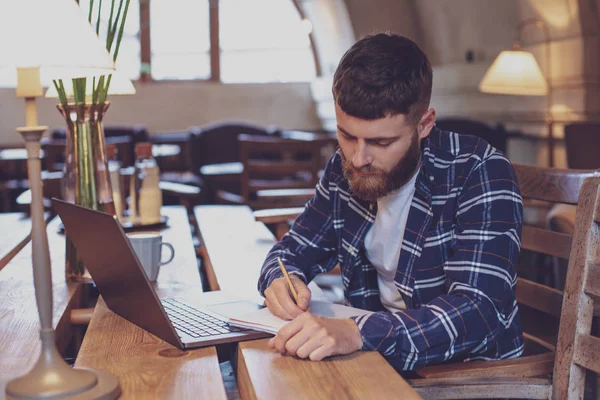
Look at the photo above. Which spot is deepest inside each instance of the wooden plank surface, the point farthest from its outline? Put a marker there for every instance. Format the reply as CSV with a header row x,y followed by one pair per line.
x,y
147,367
19,320
14,235
237,245
265,374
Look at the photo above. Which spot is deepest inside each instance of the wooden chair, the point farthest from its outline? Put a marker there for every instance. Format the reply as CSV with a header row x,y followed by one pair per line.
x,y
217,154
555,352
276,172
181,166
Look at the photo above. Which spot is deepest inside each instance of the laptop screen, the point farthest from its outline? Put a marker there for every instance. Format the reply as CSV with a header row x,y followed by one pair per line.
x,y
107,254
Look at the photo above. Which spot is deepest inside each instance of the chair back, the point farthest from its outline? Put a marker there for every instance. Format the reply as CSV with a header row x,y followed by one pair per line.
x,y
582,141
218,142
496,137
175,161
274,166
578,347
539,302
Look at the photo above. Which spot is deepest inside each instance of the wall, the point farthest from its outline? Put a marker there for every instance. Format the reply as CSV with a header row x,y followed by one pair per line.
x,y
446,29
179,105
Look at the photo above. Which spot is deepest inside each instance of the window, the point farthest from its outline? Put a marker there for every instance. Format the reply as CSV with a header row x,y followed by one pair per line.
x,y
179,39
259,41
128,59
263,41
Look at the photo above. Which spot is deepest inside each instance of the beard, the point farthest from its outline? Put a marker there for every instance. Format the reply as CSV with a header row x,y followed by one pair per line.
x,y
381,183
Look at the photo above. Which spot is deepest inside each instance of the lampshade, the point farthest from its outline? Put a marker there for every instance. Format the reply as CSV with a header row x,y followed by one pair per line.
x,y
514,72
53,35
119,85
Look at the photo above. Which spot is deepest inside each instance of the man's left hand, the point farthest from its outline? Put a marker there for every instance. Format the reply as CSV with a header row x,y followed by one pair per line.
x,y
314,337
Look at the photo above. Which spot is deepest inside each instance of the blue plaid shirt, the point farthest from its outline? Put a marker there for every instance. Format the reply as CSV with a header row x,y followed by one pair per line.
x,y
457,266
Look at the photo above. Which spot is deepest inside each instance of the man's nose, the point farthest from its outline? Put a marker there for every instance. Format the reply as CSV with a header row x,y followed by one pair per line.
x,y
361,157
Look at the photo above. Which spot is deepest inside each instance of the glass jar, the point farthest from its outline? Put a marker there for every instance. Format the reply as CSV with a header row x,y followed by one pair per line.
x,y
145,194
86,176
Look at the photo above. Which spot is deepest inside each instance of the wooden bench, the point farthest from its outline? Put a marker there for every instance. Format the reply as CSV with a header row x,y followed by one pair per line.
x,y
235,246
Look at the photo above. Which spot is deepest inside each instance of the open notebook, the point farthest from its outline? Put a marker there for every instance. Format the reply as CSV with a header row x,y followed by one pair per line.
x,y
263,320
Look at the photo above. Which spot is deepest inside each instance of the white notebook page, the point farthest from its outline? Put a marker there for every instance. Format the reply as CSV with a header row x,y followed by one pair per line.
x,y
263,320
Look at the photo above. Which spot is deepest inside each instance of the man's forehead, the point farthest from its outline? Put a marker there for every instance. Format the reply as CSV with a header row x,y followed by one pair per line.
x,y
390,126
374,129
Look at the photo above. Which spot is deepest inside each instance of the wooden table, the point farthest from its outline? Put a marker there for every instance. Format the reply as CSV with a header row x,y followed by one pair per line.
x,y
147,367
19,321
236,246
15,229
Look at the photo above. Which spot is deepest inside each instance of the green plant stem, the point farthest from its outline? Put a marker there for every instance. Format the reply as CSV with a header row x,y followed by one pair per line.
x,y
121,30
60,89
90,12
112,27
98,19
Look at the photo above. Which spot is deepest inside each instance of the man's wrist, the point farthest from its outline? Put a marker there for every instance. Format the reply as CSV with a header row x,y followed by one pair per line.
x,y
355,335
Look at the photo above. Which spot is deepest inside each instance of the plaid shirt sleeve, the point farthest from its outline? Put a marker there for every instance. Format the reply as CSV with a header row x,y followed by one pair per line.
x,y
308,248
480,280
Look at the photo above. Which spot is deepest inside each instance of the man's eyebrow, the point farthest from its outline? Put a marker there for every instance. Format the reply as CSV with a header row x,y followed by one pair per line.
x,y
375,139
345,132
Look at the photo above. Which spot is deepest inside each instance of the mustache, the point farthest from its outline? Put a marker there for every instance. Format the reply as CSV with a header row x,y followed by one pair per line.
x,y
364,171
367,169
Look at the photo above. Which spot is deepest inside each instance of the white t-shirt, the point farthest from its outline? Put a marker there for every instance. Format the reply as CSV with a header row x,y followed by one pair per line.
x,y
384,241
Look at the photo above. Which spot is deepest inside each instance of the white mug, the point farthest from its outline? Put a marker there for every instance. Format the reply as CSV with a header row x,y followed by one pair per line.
x,y
148,248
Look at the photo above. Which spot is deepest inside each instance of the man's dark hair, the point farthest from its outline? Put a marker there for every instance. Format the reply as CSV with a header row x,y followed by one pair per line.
x,y
381,75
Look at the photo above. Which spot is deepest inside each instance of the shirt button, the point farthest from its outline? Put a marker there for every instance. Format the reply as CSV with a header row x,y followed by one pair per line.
x,y
350,249
370,206
431,178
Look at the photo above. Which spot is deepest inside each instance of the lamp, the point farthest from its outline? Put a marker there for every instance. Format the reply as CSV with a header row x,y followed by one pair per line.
x,y
517,72
53,37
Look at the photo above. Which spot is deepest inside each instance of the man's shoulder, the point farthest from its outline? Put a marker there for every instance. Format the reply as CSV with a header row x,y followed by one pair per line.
x,y
445,148
457,144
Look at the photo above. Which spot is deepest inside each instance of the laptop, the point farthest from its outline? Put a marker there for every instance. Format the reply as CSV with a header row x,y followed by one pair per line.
x,y
185,322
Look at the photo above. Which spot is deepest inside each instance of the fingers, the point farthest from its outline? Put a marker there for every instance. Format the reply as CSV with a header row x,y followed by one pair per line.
x,y
320,353
280,299
310,336
304,294
291,329
275,307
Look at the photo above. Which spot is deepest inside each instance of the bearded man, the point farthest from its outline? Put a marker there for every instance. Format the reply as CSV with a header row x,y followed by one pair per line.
x,y
425,225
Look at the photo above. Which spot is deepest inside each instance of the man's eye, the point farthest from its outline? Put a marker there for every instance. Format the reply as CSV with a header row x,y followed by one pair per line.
x,y
383,143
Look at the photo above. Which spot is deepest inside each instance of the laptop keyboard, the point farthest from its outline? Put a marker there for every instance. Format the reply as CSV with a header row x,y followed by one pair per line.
x,y
195,323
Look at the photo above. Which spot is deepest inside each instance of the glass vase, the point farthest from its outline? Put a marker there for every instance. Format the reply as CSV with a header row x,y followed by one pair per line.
x,y
86,176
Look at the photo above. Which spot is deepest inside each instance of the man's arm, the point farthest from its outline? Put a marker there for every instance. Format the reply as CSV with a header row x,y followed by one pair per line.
x,y
480,276
309,247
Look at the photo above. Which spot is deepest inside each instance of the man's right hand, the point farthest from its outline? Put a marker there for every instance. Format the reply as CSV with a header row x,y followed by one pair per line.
x,y
280,301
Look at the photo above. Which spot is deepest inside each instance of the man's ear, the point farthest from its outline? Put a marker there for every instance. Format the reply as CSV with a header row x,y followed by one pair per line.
x,y
426,123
